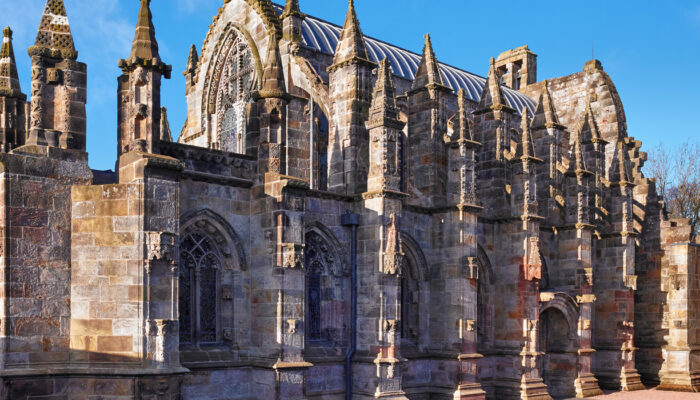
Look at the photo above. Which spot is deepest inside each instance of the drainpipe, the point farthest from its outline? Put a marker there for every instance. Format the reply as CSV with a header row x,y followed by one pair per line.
x,y
351,220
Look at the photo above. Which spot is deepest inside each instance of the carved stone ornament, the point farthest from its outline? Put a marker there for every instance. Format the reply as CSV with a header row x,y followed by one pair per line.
x,y
292,255
160,246
392,258
533,268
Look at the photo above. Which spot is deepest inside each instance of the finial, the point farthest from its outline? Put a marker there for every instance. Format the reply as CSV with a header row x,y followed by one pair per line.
x,y
7,32
429,70
54,38
351,45
291,9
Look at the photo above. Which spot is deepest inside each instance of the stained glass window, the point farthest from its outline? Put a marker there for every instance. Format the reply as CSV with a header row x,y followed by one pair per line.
x,y
200,262
238,80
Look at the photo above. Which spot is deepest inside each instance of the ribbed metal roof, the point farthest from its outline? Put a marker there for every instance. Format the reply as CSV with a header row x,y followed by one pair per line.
x,y
323,36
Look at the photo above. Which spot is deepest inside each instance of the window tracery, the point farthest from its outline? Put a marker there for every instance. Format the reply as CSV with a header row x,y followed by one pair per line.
x,y
238,80
200,262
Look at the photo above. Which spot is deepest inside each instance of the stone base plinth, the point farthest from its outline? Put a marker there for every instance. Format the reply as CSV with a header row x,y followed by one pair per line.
x,y
470,391
587,386
534,389
680,381
630,380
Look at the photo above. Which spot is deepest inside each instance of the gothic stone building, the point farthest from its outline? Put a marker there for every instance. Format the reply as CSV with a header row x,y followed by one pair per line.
x,y
339,218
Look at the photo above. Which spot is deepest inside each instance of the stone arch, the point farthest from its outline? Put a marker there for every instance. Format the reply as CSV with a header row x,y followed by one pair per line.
x,y
225,232
211,279
566,305
327,289
414,294
305,77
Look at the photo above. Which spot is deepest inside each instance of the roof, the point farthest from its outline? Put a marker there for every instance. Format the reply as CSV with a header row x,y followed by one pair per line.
x,y
323,36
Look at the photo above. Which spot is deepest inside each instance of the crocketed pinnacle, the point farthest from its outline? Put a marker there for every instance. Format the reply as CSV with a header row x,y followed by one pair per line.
x,y
545,114
621,173
383,108
492,94
351,45
429,69
54,38
273,85
463,116
577,163
9,79
291,9
192,61
526,148
145,46
589,127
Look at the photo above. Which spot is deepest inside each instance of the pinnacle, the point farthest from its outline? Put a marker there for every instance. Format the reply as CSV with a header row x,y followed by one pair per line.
x,y
621,174
384,88
192,60
9,79
577,162
54,38
352,43
492,94
145,46
429,69
545,114
589,127
273,84
291,9
527,148
462,115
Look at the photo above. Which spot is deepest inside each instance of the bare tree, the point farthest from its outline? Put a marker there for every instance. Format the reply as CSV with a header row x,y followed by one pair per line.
x,y
677,174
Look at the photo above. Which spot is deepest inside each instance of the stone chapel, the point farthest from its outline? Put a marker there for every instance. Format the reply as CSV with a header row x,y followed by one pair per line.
x,y
339,218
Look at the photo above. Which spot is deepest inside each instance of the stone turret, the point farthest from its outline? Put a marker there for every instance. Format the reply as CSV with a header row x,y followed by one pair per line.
x,y
427,123
58,84
385,135
350,84
191,71
13,119
139,89
525,184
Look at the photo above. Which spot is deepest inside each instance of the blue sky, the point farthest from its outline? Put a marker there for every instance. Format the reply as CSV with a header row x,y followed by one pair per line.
x,y
650,49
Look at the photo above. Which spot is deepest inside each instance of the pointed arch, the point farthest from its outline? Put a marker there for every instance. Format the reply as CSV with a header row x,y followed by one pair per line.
x,y
414,294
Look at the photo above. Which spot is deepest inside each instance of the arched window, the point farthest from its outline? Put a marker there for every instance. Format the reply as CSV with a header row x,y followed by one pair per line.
x,y
326,289
410,302
413,293
200,262
237,83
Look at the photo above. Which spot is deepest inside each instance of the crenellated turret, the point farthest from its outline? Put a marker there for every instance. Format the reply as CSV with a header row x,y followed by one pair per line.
x,y
350,84
385,135
427,125
139,89
58,84
13,119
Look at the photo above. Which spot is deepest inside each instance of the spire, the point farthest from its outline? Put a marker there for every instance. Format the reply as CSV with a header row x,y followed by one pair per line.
x,y
9,80
351,45
463,116
54,38
291,9
429,69
383,108
545,114
273,76
145,45
493,93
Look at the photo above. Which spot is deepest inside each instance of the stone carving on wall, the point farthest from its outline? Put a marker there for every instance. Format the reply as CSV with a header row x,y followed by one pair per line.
x,y
533,268
392,258
160,246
